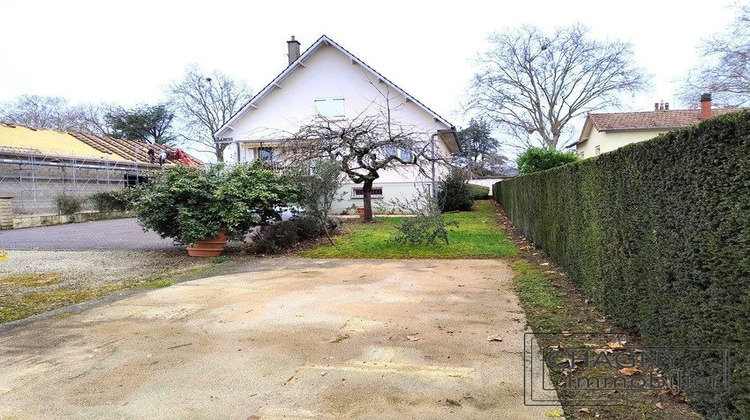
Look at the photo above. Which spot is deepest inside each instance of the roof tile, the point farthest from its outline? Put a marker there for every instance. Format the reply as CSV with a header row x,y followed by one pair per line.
x,y
652,120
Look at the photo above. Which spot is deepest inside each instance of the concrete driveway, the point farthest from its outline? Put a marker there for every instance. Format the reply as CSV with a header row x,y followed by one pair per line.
x,y
291,338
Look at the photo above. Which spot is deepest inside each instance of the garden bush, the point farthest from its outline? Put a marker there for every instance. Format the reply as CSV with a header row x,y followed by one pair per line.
x,y
280,236
112,201
537,159
454,193
307,227
69,204
658,235
190,204
423,229
275,238
479,192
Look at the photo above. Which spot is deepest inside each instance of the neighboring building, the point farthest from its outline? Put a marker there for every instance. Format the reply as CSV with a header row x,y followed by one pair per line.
x,y
604,133
38,165
329,81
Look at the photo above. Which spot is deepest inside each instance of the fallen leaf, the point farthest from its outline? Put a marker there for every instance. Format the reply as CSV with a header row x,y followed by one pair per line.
x,y
629,371
584,410
554,413
339,338
494,338
413,338
600,351
616,344
659,405
566,333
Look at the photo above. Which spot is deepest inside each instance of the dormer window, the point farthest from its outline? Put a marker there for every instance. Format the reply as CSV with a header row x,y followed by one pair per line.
x,y
330,107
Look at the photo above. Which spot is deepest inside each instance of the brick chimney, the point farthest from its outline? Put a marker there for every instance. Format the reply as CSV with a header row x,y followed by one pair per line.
x,y
293,47
705,106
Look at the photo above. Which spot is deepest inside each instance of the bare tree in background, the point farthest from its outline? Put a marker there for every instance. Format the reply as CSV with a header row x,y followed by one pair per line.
x,y
55,113
531,85
204,102
724,70
362,147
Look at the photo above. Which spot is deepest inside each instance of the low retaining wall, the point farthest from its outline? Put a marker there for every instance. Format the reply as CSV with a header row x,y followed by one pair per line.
x,y
37,220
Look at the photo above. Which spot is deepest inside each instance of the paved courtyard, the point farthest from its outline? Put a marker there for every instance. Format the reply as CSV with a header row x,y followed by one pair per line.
x,y
289,338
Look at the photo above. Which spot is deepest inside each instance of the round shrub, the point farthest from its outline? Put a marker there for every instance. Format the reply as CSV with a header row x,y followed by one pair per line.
x,y
536,159
479,192
454,193
190,204
69,204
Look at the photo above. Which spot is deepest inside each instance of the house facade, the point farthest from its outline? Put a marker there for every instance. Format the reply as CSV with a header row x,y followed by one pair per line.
x,y
604,133
327,81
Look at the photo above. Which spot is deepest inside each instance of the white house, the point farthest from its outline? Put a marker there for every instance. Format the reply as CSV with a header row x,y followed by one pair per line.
x,y
327,80
607,132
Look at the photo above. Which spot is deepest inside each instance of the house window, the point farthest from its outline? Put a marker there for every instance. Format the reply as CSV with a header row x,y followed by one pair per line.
x,y
391,151
406,155
597,151
265,154
403,154
330,107
377,192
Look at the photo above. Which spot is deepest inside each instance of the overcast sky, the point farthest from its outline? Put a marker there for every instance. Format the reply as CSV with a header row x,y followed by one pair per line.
x,y
127,51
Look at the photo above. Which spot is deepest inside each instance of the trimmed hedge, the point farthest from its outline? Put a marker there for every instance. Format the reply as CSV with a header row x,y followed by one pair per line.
x,y
658,235
479,192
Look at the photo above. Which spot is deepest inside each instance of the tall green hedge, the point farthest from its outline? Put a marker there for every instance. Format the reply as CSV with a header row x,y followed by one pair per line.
x,y
658,235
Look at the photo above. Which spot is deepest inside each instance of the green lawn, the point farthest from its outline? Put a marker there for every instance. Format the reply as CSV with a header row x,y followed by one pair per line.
x,y
478,235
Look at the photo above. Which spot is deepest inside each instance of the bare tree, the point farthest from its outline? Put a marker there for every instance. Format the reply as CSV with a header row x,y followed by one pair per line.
x,y
55,113
531,85
204,102
362,146
725,66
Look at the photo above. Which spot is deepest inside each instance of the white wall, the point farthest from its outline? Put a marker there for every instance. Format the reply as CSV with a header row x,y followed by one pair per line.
x,y
328,73
612,140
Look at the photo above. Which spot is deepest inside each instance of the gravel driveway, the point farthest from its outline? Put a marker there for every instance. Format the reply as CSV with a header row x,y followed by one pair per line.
x,y
287,338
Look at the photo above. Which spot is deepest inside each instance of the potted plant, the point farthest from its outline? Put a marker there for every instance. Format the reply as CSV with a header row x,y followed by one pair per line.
x,y
203,208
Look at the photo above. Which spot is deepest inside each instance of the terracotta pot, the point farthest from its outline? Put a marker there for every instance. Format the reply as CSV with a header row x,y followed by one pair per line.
x,y
361,213
209,247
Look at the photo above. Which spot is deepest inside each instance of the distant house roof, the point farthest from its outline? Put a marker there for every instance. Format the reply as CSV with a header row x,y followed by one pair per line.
x,y
21,139
658,120
300,62
134,151
18,138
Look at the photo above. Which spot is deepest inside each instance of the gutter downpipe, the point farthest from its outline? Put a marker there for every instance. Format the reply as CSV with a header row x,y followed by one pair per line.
x,y
434,182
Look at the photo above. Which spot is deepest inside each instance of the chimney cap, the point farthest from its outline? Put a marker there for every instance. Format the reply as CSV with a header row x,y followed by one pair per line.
x,y
706,97
293,40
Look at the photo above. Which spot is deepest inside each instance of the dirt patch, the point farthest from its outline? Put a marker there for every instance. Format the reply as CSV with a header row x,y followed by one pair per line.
x,y
34,282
